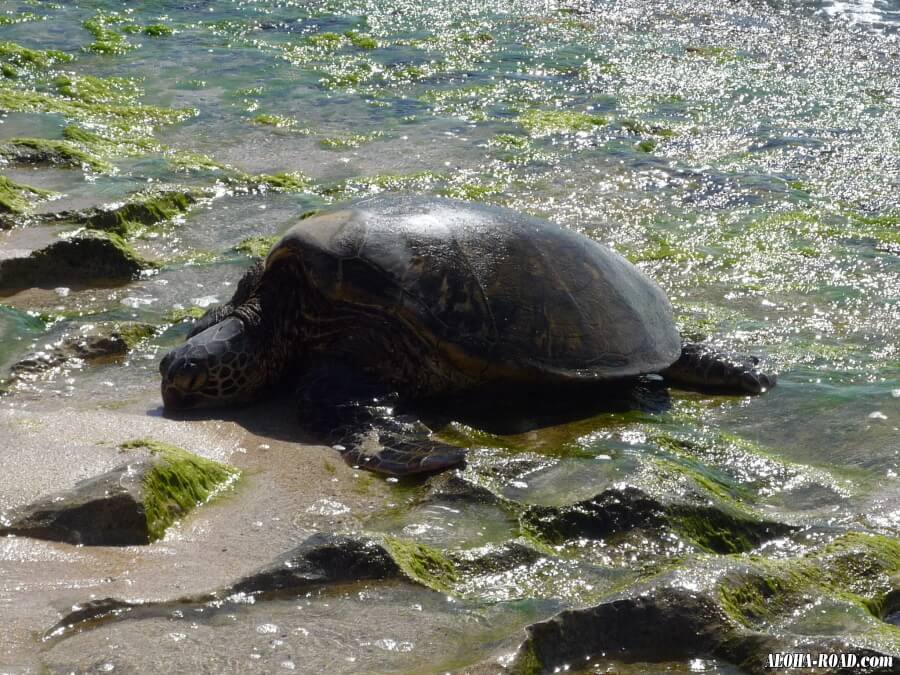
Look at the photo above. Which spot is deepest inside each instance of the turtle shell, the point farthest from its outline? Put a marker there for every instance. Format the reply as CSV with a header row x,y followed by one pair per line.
x,y
497,291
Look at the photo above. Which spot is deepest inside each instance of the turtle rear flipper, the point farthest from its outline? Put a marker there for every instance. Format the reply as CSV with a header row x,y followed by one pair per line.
x,y
703,367
356,414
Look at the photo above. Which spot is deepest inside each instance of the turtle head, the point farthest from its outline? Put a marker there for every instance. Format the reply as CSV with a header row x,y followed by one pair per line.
x,y
221,361
217,366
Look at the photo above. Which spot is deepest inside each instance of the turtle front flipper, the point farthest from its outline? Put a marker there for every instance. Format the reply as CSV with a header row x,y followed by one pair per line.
x,y
356,415
705,368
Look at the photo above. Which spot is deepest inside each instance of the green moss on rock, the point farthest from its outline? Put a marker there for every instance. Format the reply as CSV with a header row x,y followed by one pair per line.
x,y
544,122
96,89
86,257
423,564
106,40
352,141
256,246
17,197
157,30
178,484
22,56
143,210
50,152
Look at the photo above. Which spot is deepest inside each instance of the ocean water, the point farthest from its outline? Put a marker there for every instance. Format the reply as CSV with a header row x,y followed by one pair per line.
x,y
745,155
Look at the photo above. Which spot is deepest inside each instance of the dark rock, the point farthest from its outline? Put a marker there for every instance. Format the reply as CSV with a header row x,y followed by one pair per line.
x,y
736,610
451,487
613,511
105,341
669,625
322,558
86,257
610,512
103,511
131,504
493,559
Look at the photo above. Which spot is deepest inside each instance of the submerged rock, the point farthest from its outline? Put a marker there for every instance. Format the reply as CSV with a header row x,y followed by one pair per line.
x,y
323,558
736,610
46,152
132,504
86,257
715,527
104,341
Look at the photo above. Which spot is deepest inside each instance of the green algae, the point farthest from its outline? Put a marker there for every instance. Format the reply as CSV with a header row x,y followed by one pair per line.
x,y
91,89
293,181
325,40
24,57
256,246
855,567
280,122
133,334
157,30
423,564
351,141
106,41
180,315
52,152
85,257
18,197
545,122
178,484
129,121
361,41
143,210
420,180
718,531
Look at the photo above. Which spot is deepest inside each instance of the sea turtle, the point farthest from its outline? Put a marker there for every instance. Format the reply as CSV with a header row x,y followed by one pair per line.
x,y
407,298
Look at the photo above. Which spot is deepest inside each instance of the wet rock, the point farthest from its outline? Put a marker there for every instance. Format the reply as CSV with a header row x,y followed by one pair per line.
x,y
452,487
15,199
323,558
46,152
614,511
670,625
736,610
132,504
103,342
494,558
610,512
141,210
83,258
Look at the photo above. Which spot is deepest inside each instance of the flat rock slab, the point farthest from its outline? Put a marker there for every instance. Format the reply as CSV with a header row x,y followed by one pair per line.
x,y
132,504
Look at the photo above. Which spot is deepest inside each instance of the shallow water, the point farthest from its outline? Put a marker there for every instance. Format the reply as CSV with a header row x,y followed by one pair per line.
x,y
748,159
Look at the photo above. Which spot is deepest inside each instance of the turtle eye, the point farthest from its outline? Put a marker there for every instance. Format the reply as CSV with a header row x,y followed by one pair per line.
x,y
189,376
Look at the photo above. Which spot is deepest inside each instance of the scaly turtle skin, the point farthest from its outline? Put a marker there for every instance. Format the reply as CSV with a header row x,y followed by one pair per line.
x,y
404,298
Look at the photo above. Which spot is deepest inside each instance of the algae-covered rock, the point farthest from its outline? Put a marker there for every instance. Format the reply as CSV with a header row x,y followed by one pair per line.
x,y
86,257
713,527
257,247
132,504
142,210
422,564
50,153
736,610
100,342
15,198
